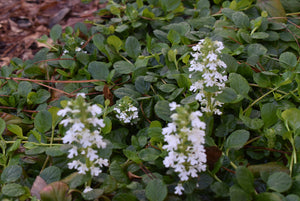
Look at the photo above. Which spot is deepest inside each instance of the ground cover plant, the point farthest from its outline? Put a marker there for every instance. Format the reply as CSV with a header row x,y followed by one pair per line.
x,y
157,100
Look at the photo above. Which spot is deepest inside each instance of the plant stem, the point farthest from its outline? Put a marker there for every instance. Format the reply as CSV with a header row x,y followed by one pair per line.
x,y
260,98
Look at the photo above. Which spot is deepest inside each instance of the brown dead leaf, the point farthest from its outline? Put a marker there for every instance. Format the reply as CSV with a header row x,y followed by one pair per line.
x,y
38,185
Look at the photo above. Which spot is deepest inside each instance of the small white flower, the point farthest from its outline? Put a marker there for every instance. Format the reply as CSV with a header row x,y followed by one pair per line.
x,y
81,94
64,111
94,110
173,106
73,152
178,189
78,49
87,189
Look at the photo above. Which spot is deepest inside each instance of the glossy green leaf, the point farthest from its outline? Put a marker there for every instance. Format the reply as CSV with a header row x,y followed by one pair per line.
x,y
93,194
11,173
55,32
43,121
141,85
174,37
124,91
124,197
116,42
228,95
241,20
238,194
2,126
288,60
124,67
291,117
99,70
268,114
267,196
13,190
24,88
67,62
162,110
118,172
132,47
279,182
169,5
156,190
256,49
239,84
15,129
51,174
149,154
245,179
237,139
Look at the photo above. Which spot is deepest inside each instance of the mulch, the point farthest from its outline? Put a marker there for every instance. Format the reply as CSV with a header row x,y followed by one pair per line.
x,y
24,21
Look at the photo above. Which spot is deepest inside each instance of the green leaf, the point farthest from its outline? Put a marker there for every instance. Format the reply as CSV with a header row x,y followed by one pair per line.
x,y
16,145
132,47
124,91
75,179
38,97
245,179
241,20
268,114
82,58
108,126
167,88
116,42
169,5
279,182
174,37
2,126
54,151
239,84
221,189
67,62
11,173
55,32
93,194
237,139
260,35
292,197
266,196
99,70
256,49
24,88
132,155
51,174
124,197
291,117
124,67
228,95
55,118
162,110
238,194
141,85
43,121
231,63
109,185
56,191
288,60
254,124
13,190
149,154
15,129
156,190
117,172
